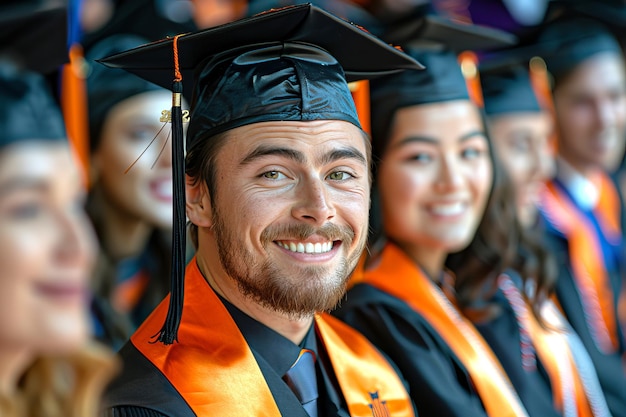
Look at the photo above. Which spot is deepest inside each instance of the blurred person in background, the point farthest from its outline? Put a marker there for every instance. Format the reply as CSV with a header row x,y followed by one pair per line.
x,y
49,366
582,208
541,353
521,130
130,200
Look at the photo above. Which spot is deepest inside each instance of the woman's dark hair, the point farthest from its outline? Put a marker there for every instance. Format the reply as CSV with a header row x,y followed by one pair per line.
x,y
155,259
499,243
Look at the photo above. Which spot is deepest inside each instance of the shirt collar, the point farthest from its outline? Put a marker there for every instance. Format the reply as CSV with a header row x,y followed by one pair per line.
x,y
278,351
583,191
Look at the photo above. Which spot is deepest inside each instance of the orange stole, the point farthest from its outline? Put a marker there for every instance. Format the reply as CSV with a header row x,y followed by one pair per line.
x,y
216,373
416,289
212,366
586,255
364,375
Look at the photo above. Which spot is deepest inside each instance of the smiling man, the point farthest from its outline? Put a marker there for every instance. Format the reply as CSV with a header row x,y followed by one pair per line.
x,y
277,193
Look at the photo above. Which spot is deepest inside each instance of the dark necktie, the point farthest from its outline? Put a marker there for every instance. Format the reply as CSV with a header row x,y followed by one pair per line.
x,y
303,382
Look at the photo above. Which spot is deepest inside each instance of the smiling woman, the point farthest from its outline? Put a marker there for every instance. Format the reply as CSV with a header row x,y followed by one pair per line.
x,y
438,187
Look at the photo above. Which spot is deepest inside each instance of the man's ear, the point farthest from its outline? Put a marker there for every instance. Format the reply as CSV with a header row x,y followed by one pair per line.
x,y
198,202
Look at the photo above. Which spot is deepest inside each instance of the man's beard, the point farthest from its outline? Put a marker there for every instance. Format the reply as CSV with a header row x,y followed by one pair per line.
x,y
313,289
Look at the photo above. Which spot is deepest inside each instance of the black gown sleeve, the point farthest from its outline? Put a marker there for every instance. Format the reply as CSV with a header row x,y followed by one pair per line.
x,y
141,390
439,384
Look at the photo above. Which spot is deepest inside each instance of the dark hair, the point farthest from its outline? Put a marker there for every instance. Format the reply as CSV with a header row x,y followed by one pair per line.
x,y
200,165
500,243
155,258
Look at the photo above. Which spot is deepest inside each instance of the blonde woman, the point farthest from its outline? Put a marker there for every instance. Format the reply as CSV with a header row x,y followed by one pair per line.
x,y
48,366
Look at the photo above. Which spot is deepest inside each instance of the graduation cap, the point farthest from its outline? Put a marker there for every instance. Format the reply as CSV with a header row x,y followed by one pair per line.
x,y
567,42
609,12
344,9
27,108
442,80
507,88
107,87
286,64
423,25
432,28
34,35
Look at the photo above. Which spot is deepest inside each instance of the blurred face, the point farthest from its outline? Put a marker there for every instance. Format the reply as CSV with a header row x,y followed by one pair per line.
x,y
301,190
521,141
144,193
591,111
46,250
435,178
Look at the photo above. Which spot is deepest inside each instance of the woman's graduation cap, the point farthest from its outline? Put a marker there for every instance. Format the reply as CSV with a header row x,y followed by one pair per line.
x,y
107,87
507,87
286,64
435,42
32,43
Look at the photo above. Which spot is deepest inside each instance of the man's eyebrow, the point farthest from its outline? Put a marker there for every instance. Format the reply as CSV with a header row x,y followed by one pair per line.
x,y
265,150
343,153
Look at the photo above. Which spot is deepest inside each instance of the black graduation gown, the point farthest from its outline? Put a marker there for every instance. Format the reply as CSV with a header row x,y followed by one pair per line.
x,y
439,383
609,367
143,391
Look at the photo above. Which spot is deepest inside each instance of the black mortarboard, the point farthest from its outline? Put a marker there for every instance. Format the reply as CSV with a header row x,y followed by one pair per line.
x,y
460,36
423,22
27,108
34,35
566,43
442,80
507,89
344,9
285,64
609,12
32,42
106,87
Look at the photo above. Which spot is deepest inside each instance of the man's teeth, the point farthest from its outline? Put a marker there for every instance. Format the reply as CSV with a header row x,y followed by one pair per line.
x,y
448,209
307,247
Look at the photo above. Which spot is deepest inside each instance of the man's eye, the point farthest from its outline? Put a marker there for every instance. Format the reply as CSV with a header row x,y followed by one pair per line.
x,y
339,176
273,175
